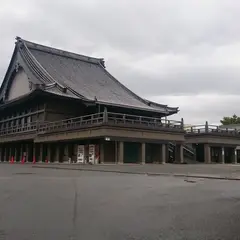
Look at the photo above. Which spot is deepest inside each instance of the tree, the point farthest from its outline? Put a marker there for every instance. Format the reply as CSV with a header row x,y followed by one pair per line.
x,y
230,120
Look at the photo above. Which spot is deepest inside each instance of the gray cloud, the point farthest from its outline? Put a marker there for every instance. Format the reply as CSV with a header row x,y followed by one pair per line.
x,y
157,48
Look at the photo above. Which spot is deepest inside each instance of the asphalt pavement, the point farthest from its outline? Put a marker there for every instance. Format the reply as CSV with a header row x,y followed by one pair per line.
x,y
63,204
212,171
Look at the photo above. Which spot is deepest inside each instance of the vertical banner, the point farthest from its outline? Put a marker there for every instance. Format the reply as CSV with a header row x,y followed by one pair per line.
x,y
92,154
81,154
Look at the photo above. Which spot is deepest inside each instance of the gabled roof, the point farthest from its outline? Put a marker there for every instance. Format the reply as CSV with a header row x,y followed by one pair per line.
x,y
76,76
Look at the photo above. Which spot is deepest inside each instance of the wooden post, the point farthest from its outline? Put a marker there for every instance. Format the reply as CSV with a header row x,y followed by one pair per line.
x,y
57,153
206,126
49,152
41,153
222,160
27,152
105,115
102,152
121,152
179,153
34,153
182,123
207,153
163,153
234,161
5,153
143,153
16,154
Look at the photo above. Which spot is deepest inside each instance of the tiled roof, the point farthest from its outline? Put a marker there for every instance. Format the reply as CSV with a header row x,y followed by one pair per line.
x,y
83,77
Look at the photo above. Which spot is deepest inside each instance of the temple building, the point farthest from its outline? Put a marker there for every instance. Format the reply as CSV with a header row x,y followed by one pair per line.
x,y
58,106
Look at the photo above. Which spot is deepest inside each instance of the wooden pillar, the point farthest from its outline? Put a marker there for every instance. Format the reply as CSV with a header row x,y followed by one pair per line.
x,y
67,153
28,152
222,155
41,153
10,153
49,151
5,153
179,153
57,153
102,152
207,153
21,152
194,152
16,153
116,151
163,153
1,153
34,151
121,153
143,153
234,156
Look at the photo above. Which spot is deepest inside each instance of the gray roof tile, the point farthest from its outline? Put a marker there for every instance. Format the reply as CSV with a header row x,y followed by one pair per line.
x,y
84,77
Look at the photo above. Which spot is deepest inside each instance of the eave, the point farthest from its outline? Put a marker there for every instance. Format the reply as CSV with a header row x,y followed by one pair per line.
x,y
35,93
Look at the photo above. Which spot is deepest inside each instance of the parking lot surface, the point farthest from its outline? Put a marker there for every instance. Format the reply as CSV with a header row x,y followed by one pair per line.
x,y
64,204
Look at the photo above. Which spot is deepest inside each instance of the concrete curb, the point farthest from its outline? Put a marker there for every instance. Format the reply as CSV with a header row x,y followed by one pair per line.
x,y
142,173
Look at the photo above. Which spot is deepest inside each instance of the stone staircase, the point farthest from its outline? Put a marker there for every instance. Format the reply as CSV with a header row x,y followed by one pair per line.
x,y
188,153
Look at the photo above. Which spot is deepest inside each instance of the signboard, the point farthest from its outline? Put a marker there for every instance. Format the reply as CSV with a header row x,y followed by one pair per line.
x,y
81,154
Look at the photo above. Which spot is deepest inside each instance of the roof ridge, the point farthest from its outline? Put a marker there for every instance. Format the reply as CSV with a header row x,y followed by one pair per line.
x,y
57,51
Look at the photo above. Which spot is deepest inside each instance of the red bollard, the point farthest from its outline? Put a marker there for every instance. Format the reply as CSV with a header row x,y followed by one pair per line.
x,y
46,160
34,159
23,160
12,160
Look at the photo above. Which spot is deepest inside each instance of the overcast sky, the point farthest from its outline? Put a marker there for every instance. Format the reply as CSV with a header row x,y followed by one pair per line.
x,y
182,53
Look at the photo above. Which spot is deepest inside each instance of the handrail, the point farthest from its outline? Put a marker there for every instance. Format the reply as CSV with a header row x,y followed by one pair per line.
x,y
185,147
110,118
105,117
27,127
210,129
72,123
119,118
